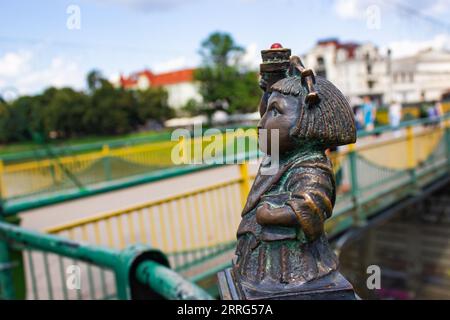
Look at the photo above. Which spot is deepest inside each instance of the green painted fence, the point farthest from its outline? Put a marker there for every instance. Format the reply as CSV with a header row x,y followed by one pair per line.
x,y
137,272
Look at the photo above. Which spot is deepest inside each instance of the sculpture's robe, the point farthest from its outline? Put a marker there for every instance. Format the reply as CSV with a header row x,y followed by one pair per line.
x,y
279,255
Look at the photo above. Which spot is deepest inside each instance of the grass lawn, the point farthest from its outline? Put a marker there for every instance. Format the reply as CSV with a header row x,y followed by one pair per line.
x,y
25,146
14,149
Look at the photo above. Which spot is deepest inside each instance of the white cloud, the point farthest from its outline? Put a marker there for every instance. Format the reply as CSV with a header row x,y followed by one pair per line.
x,y
114,78
406,48
349,9
14,63
252,56
18,70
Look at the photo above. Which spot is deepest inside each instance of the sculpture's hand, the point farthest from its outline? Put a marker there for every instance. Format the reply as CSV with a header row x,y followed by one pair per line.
x,y
263,213
283,216
311,224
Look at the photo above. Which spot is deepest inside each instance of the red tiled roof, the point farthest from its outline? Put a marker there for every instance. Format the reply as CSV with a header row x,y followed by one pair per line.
x,y
127,82
348,46
325,42
159,80
186,75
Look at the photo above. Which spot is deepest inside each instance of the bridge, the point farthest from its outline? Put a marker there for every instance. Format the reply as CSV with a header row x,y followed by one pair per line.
x,y
182,240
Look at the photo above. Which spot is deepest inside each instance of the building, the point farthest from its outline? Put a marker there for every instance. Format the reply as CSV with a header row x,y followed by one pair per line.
x,y
357,69
180,85
426,74
360,70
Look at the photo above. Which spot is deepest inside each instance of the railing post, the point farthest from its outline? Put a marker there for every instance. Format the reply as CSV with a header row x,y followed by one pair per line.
x,y
58,170
106,162
55,171
411,156
355,192
6,278
245,182
447,141
2,183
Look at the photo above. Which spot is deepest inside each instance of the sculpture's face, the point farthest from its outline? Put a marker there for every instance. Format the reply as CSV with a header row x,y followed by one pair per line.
x,y
281,114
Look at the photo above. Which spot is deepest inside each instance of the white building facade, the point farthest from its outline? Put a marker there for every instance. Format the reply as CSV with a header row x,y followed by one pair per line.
x,y
180,85
359,70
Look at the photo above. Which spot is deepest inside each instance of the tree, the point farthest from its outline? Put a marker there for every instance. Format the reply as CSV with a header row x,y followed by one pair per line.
x,y
65,113
5,118
117,110
224,81
94,80
218,50
110,111
153,104
15,119
193,107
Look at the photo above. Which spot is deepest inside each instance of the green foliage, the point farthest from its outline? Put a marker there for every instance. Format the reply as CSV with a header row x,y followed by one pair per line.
x,y
224,81
111,111
14,119
193,107
146,102
66,113
61,111
218,49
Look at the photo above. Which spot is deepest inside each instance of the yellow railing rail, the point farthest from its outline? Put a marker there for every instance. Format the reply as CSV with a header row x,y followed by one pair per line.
x,y
178,217
47,175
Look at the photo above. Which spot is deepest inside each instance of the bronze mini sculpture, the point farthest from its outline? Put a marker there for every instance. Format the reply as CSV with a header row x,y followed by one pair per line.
x,y
282,251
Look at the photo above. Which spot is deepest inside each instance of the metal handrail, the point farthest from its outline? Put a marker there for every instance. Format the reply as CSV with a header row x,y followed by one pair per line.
x,y
127,264
168,283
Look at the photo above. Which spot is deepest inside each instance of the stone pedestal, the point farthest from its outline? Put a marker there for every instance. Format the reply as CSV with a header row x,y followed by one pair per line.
x,y
331,287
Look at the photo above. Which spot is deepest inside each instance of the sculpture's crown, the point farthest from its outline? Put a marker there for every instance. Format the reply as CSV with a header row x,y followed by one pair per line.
x,y
275,59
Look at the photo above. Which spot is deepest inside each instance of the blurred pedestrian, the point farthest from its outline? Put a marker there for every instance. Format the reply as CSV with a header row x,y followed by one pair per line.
x,y
395,113
359,117
439,111
433,114
369,112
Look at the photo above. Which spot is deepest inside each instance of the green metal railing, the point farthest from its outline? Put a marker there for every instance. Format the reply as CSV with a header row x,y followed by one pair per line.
x,y
35,183
102,181
137,272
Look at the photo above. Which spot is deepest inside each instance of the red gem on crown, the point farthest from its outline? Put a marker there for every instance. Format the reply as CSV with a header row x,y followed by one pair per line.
x,y
276,45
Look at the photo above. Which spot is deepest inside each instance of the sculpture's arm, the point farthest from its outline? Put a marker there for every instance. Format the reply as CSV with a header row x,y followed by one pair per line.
x,y
282,216
311,200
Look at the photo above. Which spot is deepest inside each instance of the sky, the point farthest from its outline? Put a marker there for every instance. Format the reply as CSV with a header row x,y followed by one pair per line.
x,y
55,43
